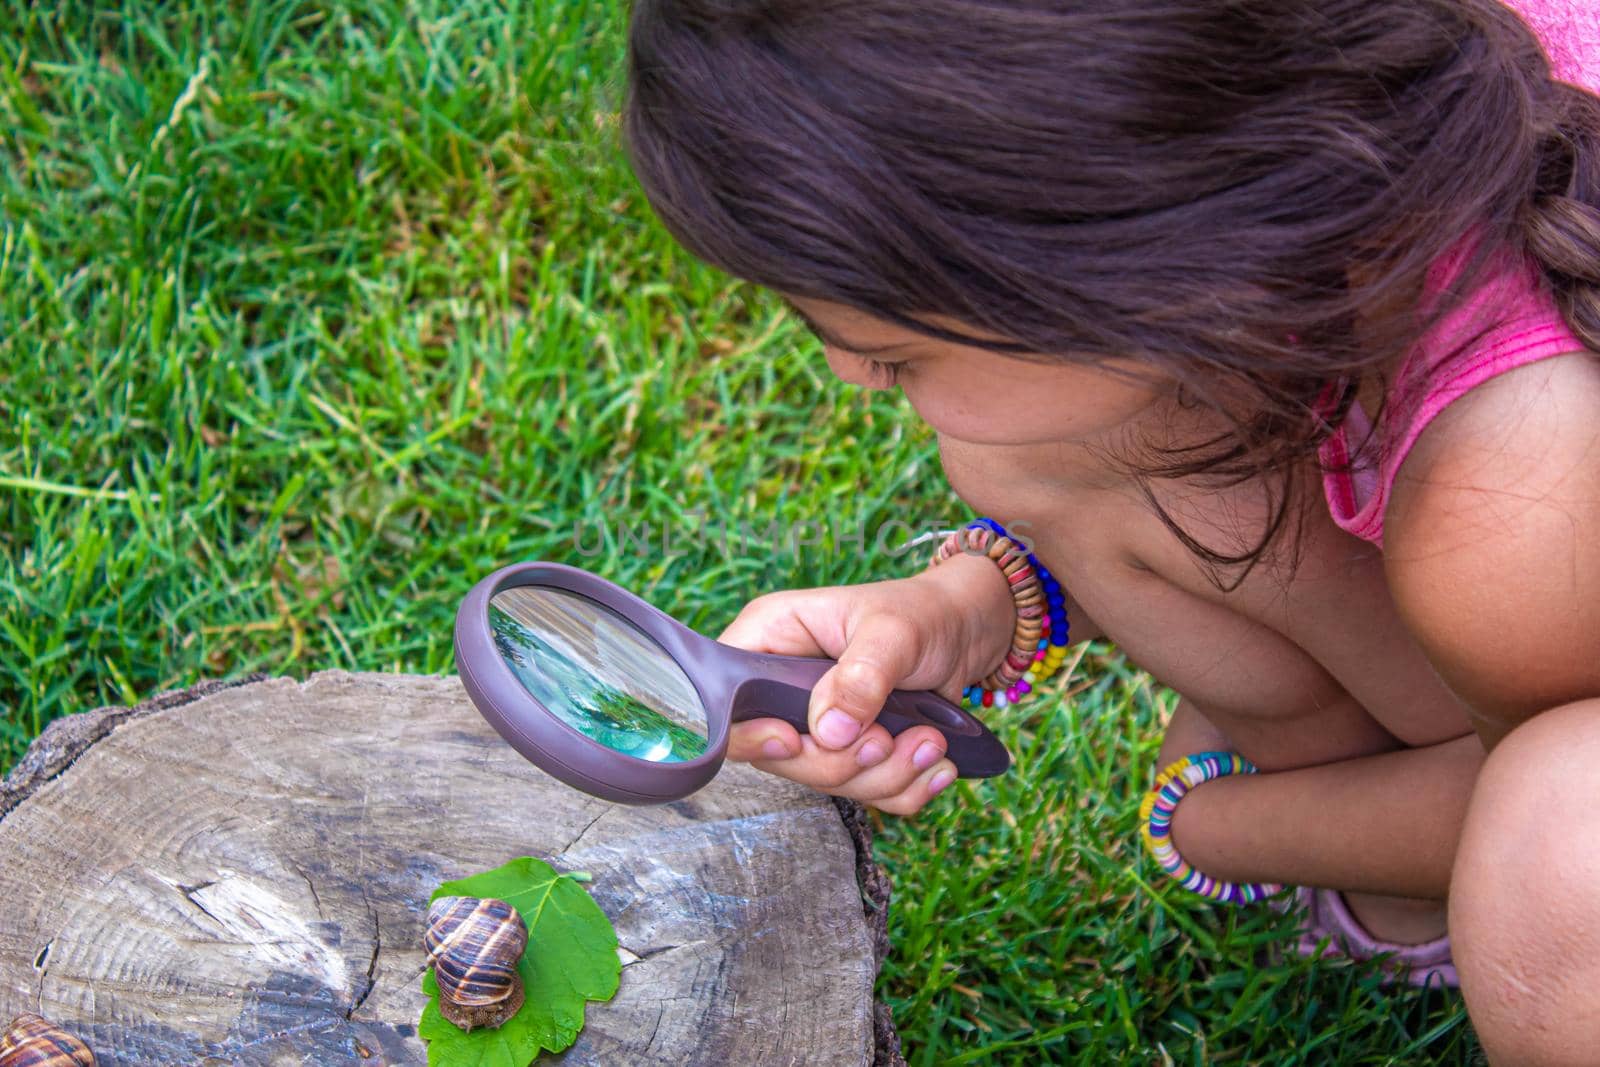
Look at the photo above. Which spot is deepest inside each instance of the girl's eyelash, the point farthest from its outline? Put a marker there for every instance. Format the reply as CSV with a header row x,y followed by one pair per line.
x,y
891,370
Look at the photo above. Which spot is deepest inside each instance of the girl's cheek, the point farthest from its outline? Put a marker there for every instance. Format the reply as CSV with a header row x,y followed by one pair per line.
x,y
966,411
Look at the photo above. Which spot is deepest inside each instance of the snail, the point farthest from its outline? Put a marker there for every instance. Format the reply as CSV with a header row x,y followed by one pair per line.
x,y
33,1041
473,946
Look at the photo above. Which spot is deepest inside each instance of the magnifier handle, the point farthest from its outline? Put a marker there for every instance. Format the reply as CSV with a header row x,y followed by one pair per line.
x,y
782,690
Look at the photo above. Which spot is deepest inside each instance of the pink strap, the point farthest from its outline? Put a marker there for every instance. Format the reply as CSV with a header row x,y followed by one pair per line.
x,y
1508,322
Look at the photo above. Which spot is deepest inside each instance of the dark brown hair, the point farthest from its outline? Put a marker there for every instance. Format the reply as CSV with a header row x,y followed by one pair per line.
x,y
1227,190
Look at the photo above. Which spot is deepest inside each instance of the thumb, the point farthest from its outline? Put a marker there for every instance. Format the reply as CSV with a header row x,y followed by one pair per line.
x,y
881,653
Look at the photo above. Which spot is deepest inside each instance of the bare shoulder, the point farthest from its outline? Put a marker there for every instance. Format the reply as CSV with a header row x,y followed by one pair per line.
x,y
1517,454
1492,541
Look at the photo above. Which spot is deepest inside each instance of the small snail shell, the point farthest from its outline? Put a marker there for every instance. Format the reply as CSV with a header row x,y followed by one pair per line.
x,y
32,1041
474,946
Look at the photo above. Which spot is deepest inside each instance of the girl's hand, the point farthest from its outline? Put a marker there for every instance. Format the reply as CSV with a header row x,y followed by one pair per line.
x,y
933,631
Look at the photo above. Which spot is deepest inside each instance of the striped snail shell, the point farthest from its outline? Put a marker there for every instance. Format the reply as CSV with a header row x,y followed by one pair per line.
x,y
33,1041
474,946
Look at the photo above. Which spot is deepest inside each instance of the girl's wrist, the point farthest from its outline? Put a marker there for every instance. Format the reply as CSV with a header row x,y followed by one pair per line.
x,y
980,601
1179,818
1039,630
1195,824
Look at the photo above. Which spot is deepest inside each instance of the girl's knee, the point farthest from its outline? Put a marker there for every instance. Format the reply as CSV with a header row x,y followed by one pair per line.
x,y
1525,893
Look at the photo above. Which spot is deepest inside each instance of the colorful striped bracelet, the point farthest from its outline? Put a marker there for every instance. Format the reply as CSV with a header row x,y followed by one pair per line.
x,y
1039,642
1155,817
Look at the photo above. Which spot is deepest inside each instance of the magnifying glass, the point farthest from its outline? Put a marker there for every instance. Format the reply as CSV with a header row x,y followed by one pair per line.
x,y
619,699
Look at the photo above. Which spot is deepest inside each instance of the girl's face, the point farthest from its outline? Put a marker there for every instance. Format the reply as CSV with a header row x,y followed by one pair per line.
x,y
981,397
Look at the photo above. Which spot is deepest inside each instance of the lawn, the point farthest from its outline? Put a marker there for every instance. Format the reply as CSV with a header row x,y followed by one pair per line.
x,y
311,315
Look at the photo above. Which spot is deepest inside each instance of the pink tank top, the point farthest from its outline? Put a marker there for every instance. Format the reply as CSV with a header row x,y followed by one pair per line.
x,y
1518,321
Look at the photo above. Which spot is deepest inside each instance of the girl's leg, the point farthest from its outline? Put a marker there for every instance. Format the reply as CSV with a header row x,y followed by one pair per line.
x,y
1188,732
1525,893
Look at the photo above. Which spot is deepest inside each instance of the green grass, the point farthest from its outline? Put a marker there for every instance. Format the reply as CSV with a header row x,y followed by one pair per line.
x,y
310,316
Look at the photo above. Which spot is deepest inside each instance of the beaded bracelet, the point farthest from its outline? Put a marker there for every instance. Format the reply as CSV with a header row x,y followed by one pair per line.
x,y
1156,816
1039,642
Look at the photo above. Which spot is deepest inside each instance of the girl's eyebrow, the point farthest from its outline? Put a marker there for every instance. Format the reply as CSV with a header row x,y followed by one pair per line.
x,y
839,342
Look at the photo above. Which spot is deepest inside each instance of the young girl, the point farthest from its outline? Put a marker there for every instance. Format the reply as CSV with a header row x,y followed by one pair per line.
x,y
1269,326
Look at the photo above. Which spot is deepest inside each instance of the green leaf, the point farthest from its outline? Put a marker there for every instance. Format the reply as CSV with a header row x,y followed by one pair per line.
x,y
571,959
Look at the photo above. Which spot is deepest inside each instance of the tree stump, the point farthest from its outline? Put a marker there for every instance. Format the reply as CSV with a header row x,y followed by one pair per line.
x,y
238,874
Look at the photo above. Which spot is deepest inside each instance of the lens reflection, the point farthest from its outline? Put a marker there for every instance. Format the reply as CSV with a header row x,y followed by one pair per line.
x,y
598,673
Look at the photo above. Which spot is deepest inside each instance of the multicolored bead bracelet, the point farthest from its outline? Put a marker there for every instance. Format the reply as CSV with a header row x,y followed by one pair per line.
x,y
1039,642
1155,815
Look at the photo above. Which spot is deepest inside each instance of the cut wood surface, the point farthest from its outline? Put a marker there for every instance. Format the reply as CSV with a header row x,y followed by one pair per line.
x,y
238,874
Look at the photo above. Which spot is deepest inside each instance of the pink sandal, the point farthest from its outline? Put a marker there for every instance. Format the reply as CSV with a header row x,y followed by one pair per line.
x,y
1327,916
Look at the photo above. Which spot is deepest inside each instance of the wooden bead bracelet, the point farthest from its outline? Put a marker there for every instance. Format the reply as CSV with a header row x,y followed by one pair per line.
x,y
1039,642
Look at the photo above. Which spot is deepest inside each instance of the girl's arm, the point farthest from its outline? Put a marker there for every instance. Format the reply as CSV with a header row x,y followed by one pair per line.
x,y
1492,553
1081,628
1492,544
1388,823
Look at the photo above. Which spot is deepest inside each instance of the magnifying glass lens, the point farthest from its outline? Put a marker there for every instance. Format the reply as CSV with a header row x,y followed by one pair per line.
x,y
598,673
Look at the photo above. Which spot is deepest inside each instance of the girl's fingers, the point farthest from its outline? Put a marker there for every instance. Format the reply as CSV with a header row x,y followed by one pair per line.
x,y
876,770
882,651
917,752
918,794
762,739
830,770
